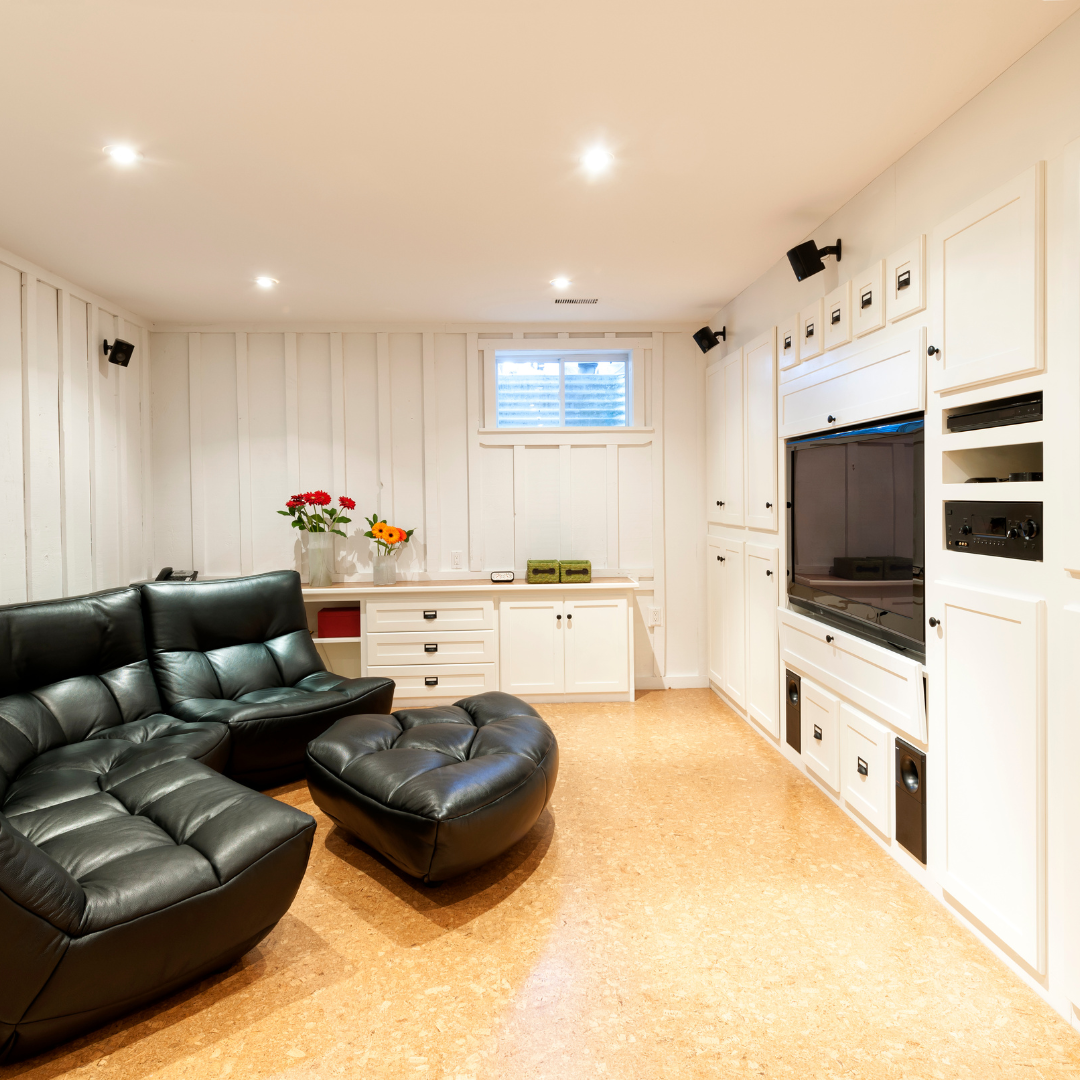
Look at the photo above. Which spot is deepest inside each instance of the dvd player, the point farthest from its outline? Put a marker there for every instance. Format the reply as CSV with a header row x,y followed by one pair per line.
x,y
1025,409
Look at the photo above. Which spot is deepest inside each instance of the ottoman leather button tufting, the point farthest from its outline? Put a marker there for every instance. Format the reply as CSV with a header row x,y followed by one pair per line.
x,y
437,791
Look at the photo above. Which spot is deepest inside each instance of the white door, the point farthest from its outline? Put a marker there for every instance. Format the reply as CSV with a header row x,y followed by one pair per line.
x,y
989,273
531,646
731,496
733,619
595,640
762,637
988,659
714,579
820,714
714,430
761,432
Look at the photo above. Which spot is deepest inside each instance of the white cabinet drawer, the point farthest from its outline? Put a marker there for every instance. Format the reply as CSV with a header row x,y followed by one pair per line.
x,y
885,684
821,734
866,768
447,681
427,614
434,648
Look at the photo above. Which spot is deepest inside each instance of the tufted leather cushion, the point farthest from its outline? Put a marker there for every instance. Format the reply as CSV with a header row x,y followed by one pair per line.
x,y
239,652
437,791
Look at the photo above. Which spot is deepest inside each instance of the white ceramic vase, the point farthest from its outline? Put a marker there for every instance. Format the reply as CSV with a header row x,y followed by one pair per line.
x,y
320,553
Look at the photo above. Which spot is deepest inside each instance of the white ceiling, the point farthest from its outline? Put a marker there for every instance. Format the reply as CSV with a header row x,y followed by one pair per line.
x,y
416,160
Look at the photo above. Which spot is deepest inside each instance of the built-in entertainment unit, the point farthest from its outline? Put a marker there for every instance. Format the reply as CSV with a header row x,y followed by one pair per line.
x,y
856,522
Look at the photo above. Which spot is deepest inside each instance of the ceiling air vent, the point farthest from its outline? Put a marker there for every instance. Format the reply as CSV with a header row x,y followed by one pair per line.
x,y
567,300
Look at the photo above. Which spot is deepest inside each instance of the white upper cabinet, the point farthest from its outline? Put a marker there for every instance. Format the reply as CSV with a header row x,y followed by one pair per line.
x,y
811,332
787,342
905,277
731,500
989,275
760,356
868,300
714,434
838,316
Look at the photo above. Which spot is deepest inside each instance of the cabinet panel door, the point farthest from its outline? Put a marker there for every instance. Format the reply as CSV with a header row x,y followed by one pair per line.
x,y
731,496
714,578
821,733
531,646
714,431
989,659
989,271
733,607
595,635
761,432
762,637
866,767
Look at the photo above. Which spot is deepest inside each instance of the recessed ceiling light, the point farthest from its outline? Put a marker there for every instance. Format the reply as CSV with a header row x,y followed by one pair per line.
x,y
122,155
561,282
266,282
597,160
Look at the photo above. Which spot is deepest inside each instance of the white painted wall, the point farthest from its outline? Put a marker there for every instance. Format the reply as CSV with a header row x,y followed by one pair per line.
x,y
1030,114
244,418
74,439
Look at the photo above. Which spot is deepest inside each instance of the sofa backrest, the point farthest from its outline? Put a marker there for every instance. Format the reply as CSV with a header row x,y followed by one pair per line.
x,y
221,639
70,668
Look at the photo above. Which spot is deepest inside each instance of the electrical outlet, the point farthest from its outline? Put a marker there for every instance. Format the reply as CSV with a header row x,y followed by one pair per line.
x,y
656,616
457,560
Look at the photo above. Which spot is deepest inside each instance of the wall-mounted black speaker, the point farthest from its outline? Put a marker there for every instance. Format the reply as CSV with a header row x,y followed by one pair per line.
x,y
911,799
793,700
119,352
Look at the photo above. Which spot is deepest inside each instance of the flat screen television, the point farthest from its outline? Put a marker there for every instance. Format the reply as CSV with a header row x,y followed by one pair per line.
x,y
856,552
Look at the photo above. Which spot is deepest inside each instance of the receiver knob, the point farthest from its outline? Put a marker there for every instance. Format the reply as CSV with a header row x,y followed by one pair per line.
x,y
1029,529
1013,534
965,530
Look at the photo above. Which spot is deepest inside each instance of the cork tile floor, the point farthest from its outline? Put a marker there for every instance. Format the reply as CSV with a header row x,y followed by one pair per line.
x,y
687,906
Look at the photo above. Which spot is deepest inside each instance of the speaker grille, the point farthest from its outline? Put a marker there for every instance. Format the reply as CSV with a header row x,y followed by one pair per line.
x,y
567,300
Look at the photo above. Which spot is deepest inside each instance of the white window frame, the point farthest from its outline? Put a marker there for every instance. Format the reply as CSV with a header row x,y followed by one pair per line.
x,y
578,350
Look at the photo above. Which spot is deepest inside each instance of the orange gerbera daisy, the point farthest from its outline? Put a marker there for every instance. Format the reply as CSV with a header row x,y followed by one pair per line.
x,y
386,533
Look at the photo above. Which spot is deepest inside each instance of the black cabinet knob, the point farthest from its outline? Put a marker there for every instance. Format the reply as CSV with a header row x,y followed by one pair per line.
x,y
719,502
768,573
934,622
932,350
721,558
828,639
558,618
768,506
832,419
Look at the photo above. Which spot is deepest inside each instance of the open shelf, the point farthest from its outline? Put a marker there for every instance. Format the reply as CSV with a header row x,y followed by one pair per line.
x,y
1010,435
960,464
334,640
1032,492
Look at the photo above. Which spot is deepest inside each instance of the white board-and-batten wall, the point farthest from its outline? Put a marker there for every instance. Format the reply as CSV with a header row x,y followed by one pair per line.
x,y
243,419
74,439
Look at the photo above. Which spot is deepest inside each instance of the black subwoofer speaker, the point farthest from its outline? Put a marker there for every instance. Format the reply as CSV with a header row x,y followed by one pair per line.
x,y
793,696
911,799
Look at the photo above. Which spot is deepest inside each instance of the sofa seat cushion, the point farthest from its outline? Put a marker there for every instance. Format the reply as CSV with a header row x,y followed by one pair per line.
x,y
441,790
271,727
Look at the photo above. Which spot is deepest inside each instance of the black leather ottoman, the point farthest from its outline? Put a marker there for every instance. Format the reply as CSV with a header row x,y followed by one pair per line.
x,y
437,791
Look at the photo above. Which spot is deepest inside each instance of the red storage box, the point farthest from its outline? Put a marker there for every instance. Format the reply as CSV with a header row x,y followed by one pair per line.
x,y
339,622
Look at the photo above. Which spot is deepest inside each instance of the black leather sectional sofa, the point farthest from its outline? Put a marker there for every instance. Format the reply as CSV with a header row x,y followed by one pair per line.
x,y
129,865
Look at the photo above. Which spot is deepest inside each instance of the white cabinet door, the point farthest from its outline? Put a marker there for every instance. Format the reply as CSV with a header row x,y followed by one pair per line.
x,y
714,578
531,646
761,432
821,733
989,273
733,619
714,433
762,637
730,496
595,636
866,767
988,657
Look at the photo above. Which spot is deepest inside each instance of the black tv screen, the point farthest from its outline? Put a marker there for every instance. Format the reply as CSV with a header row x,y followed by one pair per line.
x,y
857,531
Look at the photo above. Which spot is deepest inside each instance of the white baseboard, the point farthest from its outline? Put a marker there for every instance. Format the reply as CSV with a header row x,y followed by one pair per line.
x,y
672,682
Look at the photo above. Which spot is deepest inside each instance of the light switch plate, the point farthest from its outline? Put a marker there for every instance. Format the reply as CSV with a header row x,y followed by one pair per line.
x,y
905,280
838,316
787,342
811,332
868,299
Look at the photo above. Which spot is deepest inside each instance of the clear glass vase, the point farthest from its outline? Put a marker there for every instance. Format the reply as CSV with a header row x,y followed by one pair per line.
x,y
320,553
385,571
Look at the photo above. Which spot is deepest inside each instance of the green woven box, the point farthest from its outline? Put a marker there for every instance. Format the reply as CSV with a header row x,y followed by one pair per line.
x,y
542,571
579,570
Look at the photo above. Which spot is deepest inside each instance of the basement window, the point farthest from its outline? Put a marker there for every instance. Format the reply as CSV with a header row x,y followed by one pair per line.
x,y
563,390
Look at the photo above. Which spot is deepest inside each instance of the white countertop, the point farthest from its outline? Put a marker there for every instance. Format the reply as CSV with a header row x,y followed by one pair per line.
x,y
354,590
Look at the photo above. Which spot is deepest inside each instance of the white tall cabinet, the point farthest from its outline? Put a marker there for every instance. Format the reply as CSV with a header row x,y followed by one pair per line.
x,y
762,636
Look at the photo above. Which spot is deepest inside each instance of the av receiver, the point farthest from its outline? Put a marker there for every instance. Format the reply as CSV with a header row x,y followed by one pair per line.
x,y
1009,530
